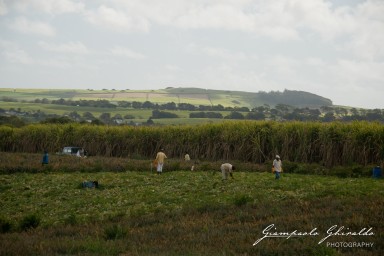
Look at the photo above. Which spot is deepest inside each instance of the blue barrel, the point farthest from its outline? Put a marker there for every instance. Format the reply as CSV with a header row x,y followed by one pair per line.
x,y
377,172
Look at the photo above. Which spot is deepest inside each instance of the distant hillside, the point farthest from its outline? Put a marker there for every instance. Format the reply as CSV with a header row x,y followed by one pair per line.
x,y
295,98
251,99
195,96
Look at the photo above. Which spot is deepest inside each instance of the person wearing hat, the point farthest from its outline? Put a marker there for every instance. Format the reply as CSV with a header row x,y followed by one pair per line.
x,y
277,167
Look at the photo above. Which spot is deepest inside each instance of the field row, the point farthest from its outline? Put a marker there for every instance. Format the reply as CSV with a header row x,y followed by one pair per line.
x,y
329,144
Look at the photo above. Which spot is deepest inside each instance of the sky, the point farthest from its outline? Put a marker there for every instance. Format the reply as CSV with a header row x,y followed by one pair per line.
x,y
332,48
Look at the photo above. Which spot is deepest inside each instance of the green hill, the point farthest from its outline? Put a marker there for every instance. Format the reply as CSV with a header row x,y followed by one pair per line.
x,y
195,96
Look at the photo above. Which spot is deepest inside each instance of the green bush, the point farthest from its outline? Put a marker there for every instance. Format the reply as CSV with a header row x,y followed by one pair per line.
x,y
342,172
29,222
289,167
71,219
5,225
115,232
242,200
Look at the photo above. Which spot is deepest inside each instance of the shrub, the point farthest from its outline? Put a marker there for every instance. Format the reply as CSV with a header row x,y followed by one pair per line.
x,y
289,167
115,232
5,225
29,222
242,200
342,172
71,219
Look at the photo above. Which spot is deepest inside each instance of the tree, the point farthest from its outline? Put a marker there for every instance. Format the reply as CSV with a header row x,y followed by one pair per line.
x,y
57,120
128,116
150,122
186,106
97,122
169,106
214,115
60,101
313,114
255,116
283,108
218,108
374,115
234,115
163,114
197,115
137,105
241,109
105,117
88,116
13,121
124,104
45,101
329,117
205,115
75,116
148,105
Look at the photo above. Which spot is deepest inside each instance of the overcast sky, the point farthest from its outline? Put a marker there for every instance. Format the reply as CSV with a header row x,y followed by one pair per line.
x,y
331,48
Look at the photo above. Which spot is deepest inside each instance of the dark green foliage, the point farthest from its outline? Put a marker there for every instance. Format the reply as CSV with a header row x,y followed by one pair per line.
x,y
294,98
13,121
85,103
234,115
57,120
5,225
71,219
162,114
289,167
114,232
30,221
241,200
205,115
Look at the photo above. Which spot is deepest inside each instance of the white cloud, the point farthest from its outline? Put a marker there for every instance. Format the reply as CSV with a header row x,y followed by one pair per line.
x,y
361,73
128,53
367,40
223,53
3,8
116,20
216,16
318,16
14,54
279,20
49,6
25,26
282,66
71,47
173,68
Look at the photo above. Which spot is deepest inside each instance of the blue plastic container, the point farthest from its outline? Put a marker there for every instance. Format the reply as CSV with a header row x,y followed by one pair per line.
x,y
377,172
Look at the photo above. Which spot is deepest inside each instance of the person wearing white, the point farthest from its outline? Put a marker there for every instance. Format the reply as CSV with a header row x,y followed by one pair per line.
x,y
227,169
277,165
160,158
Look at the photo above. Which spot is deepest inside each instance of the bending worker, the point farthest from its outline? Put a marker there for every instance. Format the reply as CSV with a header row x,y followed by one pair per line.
x,y
225,169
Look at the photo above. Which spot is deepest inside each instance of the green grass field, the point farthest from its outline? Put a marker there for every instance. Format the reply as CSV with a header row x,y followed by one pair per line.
x,y
184,213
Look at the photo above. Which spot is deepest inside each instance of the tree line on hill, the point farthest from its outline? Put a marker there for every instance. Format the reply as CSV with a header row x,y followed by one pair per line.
x,y
135,105
280,112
